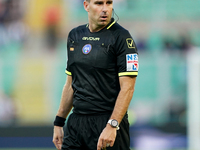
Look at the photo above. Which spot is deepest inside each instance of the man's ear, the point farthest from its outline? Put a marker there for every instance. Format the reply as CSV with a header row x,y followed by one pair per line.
x,y
86,5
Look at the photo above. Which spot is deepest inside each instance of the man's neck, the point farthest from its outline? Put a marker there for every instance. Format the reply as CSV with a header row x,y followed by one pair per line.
x,y
94,28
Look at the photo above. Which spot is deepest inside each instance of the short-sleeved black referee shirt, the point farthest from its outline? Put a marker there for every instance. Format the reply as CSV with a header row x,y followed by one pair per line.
x,y
96,60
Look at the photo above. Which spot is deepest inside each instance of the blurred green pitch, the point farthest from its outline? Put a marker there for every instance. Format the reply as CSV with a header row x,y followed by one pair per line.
x,y
44,149
27,148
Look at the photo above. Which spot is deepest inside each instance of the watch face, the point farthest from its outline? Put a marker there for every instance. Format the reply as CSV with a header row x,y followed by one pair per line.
x,y
114,123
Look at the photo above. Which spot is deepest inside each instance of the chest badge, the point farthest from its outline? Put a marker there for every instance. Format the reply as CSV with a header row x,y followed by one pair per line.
x,y
86,49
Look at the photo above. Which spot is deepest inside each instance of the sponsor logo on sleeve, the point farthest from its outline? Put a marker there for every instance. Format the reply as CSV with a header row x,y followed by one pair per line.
x,y
132,62
130,43
86,49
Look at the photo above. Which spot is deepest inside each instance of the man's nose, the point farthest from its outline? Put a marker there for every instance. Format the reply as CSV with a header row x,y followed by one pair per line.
x,y
105,8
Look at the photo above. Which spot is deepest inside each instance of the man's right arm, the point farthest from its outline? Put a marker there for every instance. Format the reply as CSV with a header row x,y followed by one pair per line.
x,y
63,111
66,99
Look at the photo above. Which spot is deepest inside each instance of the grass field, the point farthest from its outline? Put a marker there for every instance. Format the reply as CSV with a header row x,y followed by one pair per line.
x,y
27,148
48,149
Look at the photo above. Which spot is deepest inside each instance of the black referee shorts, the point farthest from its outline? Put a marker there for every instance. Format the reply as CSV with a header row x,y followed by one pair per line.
x,y
82,132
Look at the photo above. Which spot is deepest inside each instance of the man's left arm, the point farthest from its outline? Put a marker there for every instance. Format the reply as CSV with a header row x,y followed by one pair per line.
x,y
108,135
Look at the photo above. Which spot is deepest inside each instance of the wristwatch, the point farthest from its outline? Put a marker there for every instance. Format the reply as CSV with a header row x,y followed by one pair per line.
x,y
114,123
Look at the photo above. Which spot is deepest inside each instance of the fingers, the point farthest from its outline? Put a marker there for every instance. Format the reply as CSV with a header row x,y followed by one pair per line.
x,y
58,137
57,144
107,137
103,143
112,143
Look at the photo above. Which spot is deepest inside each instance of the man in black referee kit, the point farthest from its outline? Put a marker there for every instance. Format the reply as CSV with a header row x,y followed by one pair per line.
x,y
102,67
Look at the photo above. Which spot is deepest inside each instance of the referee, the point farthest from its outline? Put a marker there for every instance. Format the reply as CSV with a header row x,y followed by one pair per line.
x,y
101,73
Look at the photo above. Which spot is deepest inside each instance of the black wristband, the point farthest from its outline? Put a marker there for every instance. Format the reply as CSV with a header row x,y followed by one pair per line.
x,y
59,121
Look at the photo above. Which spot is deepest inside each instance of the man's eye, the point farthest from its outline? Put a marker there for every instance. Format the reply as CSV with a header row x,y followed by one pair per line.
x,y
99,3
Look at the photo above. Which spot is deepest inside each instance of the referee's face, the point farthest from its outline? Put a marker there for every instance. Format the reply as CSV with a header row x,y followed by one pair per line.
x,y
99,13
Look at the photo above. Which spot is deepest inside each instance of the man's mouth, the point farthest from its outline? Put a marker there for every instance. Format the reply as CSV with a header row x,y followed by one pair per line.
x,y
104,17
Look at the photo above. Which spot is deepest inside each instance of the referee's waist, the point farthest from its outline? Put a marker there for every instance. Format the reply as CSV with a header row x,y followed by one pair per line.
x,y
107,113
93,113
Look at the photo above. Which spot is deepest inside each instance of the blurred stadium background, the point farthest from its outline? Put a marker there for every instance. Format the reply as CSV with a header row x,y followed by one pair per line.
x,y
165,109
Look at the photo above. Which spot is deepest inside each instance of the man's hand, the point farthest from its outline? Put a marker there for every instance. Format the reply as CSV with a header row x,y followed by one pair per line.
x,y
58,137
107,137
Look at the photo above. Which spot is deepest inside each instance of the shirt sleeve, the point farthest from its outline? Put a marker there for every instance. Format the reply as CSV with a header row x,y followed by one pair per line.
x,y
70,47
127,55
